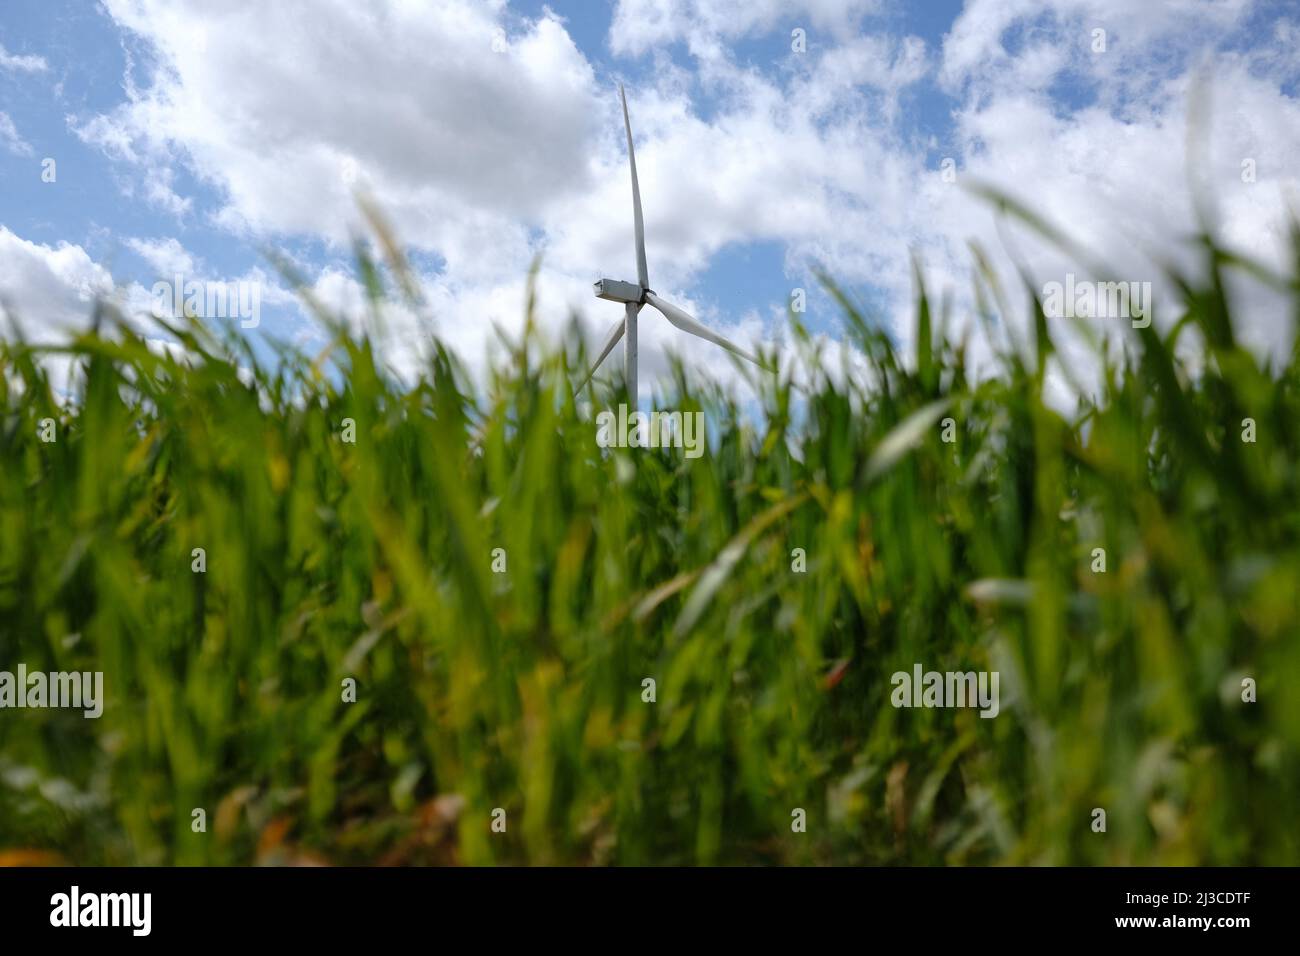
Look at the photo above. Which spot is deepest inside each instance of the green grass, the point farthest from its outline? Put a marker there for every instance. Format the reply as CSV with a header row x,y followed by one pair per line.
x,y
523,690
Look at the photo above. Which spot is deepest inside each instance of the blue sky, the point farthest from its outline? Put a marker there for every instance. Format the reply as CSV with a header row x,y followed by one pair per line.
x,y
201,135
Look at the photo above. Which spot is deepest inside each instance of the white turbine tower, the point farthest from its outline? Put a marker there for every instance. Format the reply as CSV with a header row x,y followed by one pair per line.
x,y
635,295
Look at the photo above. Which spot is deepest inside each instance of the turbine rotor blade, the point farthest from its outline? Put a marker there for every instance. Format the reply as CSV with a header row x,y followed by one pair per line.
x,y
687,323
615,334
642,273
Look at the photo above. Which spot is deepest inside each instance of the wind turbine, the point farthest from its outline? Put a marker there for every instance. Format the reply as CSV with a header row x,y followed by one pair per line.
x,y
635,295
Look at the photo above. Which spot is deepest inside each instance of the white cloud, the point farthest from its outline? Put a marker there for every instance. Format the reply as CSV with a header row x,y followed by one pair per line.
x,y
21,64
1056,34
1115,176
463,146
483,158
49,294
48,289
641,25
10,138
818,163
165,256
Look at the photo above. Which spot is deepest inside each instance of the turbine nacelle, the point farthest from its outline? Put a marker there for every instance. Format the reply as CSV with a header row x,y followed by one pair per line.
x,y
616,290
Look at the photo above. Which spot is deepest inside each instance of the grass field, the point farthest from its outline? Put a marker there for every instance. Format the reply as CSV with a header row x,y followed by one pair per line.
x,y
523,690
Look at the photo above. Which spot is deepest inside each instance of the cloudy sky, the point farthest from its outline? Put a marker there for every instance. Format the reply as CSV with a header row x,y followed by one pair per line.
x,y
191,137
